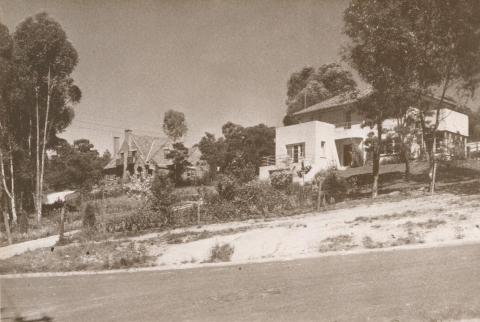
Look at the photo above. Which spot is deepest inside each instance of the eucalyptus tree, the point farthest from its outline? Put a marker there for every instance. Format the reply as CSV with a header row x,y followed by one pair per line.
x,y
45,59
418,47
174,125
374,50
7,144
310,86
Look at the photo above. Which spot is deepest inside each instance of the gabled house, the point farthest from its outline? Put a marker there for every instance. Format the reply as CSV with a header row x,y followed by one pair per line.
x,y
198,168
333,133
138,155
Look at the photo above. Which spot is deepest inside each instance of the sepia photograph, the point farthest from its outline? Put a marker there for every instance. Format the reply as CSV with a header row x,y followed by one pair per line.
x,y
239,160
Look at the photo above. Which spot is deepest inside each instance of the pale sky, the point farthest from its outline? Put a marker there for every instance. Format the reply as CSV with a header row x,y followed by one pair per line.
x,y
216,61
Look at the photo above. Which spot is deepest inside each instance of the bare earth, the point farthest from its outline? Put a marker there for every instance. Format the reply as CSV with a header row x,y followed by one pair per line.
x,y
424,221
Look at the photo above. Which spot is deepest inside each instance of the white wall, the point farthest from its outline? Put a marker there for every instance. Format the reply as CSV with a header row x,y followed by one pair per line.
x,y
452,121
312,134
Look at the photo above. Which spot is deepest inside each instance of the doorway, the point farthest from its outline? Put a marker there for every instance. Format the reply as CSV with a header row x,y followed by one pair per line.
x,y
347,154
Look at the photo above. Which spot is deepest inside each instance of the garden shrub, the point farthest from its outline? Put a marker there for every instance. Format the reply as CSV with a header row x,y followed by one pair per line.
x,y
250,200
259,198
242,172
162,196
89,216
221,253
333,185
144,219
226,186
218,209
281,180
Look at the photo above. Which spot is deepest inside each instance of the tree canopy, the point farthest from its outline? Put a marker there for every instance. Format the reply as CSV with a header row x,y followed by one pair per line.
x,y
77,166
174,125
240,148
310,86
407,49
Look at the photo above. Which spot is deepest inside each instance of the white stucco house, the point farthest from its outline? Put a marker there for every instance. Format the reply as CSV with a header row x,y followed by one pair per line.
x,y
330,133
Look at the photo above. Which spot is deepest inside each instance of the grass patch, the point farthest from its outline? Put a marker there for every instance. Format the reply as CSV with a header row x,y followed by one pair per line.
x,y
394,216
190,236
79,257
220,253
410,239
337,243
430,224
368,242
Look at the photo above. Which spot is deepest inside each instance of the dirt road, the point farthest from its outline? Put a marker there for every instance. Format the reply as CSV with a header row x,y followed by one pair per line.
x,y
404,285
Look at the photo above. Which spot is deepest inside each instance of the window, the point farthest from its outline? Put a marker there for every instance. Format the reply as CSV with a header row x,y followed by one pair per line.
x,y
166,151
322,148
348,119
296,152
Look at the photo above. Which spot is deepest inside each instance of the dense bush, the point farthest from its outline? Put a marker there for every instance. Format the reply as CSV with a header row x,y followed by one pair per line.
x,y
221,253
226,186
162,196
242,172
281,180
143,219
89,216
332,184
250,200
259,198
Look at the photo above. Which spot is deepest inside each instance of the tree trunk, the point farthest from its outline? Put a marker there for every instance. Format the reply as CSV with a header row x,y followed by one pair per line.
x,y
375,172
433,166
42,170
407,168
7,225
29,135
38,204
376,161
406,159
9,194
62,224
320,195
12,191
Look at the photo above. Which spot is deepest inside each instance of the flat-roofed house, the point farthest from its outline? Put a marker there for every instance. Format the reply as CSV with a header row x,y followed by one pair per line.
x,y
333,133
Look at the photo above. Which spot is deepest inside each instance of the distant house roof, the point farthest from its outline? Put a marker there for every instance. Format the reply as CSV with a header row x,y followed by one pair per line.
x,y
351,97
194,155
149,149
54,197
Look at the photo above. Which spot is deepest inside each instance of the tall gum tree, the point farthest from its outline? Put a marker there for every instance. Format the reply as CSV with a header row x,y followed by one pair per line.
x,y
46,59
7,143
418,47
373,50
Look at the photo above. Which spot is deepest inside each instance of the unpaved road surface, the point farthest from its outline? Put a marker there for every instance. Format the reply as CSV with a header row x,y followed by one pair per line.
x,y
403,285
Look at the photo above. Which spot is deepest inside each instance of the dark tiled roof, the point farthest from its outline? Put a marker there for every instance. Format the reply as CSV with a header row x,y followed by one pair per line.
x,y
149,148
339,100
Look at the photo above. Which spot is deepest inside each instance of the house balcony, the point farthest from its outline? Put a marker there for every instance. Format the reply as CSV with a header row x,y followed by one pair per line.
x,y
348,130
285,161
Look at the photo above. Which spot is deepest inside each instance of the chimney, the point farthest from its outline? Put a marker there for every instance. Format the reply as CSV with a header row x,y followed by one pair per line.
x,y
125,155
127,135
116,145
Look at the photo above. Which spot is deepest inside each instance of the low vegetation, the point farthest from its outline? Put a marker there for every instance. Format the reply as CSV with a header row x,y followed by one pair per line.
x,y
337,243
221,253
79,257
190,236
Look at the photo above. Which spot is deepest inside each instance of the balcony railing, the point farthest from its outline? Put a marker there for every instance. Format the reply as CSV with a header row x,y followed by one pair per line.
x,y
285,160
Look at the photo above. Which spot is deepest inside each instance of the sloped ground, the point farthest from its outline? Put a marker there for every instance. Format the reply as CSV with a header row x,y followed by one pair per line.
x,y
396,221
425,220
